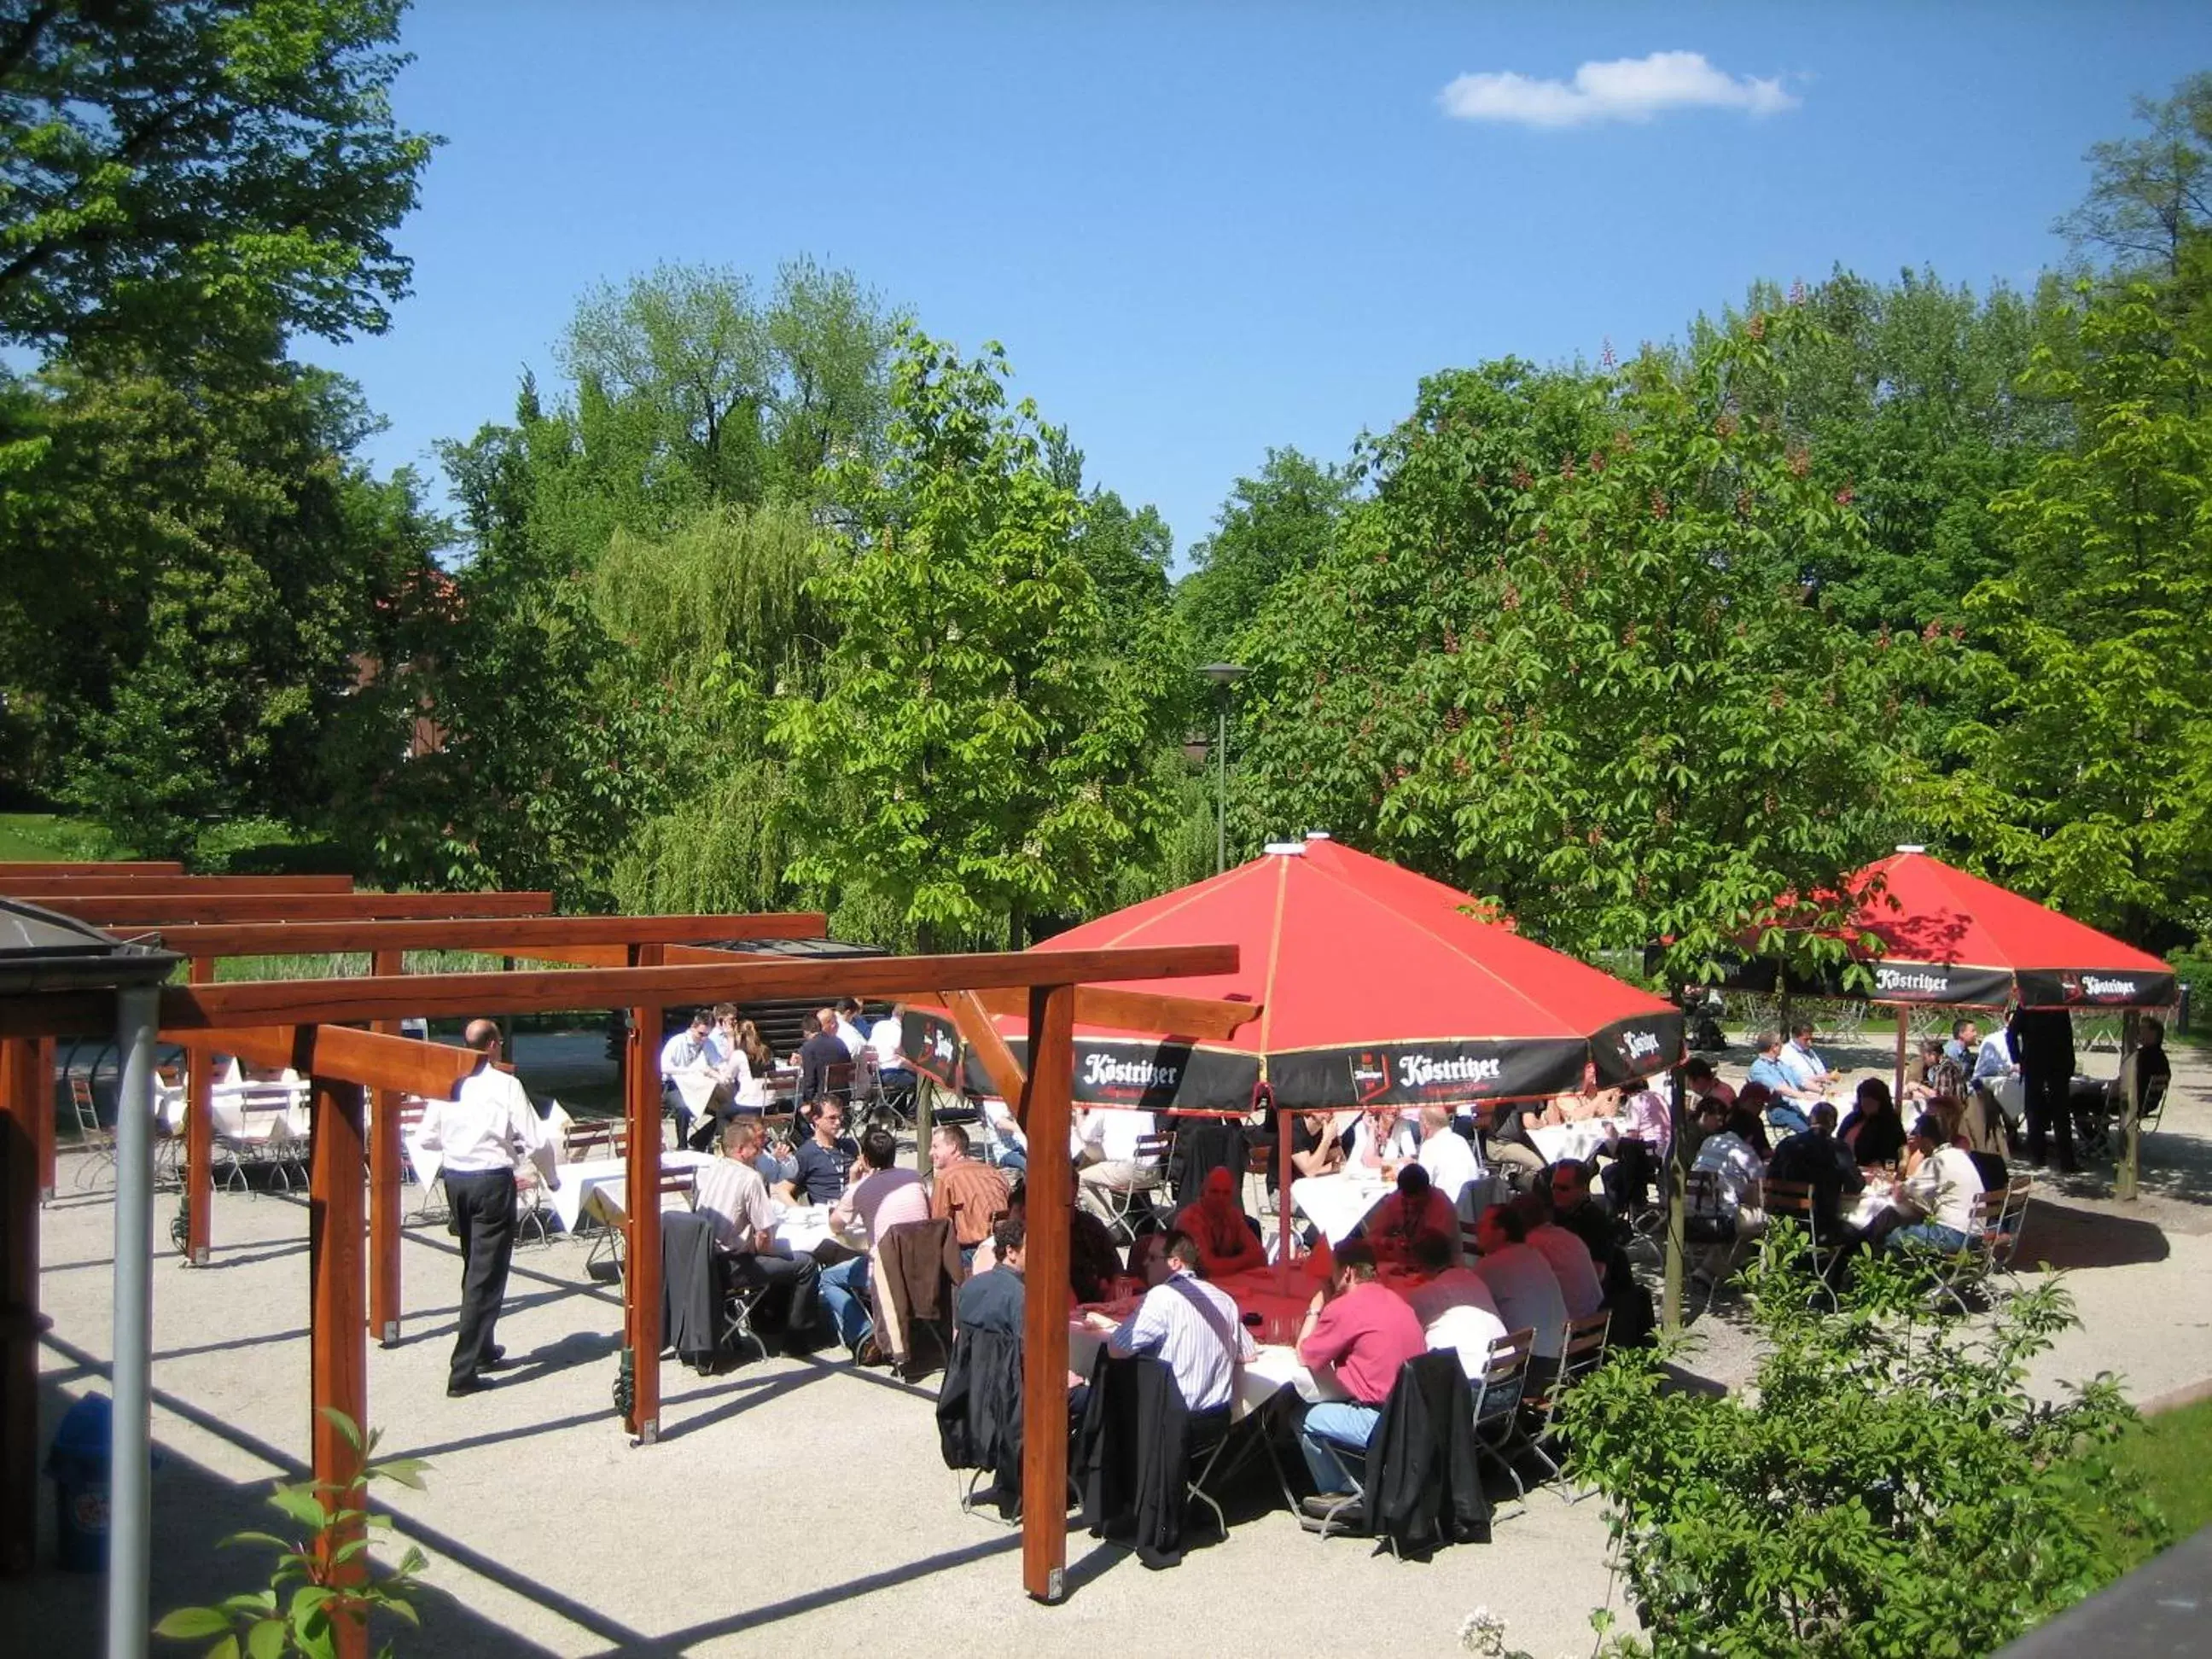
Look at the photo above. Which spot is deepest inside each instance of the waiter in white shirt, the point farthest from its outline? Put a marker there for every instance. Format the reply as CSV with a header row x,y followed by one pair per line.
x,y
484,1132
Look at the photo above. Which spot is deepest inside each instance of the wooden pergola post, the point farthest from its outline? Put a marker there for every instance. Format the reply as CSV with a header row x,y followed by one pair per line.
x,y
42,1125
199,1137
1046,1115
384,1160
339,1341
21,1103
642,1254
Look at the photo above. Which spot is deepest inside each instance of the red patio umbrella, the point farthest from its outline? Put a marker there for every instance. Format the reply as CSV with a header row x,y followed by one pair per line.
x,y
1375,985
1945,937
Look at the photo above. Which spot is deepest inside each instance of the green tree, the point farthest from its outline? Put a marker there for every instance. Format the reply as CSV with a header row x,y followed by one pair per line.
x,y
981,752
2150,198
2089,784
1661,728
199,572
1271,527
173,171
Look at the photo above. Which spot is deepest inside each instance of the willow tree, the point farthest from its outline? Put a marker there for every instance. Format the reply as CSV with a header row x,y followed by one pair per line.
x,y
982,748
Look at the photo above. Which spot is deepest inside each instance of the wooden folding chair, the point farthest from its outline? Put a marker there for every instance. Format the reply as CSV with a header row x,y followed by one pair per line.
x,y
1792,1200
1582,1350
94,1139
1149,1175
1499,1393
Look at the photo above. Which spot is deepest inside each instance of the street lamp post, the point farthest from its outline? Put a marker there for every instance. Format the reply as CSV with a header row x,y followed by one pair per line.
x,y
1223,676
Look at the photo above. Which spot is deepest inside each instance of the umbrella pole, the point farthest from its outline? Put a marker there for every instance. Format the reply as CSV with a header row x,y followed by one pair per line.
x,y
1904,1031
1283,1174
1678,1146
2128,1166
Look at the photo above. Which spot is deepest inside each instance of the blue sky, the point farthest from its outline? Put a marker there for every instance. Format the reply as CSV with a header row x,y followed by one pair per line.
x,y
1201,230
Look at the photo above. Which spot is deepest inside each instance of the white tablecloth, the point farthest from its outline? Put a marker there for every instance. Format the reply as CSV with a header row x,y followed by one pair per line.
x,y
1338,1203
260,1113
1274,1369
798,1231
1576,1140
580,1180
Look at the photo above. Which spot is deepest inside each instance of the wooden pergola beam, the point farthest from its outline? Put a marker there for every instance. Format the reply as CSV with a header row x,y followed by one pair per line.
x,y
1199,1019
980,1033
169,909
67,870
515,936
129,886
304,1001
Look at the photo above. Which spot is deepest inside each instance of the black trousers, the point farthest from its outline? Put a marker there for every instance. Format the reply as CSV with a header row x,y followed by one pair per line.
x,y
2049,1110
803,1321
483,1204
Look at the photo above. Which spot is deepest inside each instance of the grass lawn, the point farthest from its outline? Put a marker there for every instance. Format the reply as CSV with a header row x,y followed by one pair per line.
x,y
48,838
2173,1452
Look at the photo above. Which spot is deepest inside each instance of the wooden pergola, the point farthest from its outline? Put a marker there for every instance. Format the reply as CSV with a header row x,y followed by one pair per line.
x,y
308,1024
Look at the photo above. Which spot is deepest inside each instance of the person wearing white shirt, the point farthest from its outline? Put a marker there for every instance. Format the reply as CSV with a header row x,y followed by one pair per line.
x,y
1727,1155
848,1027
1942,1191
686,1061
1448,1158
885,1039
1800,1065
1106,1139
1455,1308
1196,1328
1381,1139
484,1132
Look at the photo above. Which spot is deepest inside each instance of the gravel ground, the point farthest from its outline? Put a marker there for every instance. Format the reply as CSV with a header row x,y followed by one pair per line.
x,y
803,1504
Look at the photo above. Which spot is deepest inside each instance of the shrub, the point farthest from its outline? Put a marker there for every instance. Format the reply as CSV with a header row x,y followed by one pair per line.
x,y
1888,1485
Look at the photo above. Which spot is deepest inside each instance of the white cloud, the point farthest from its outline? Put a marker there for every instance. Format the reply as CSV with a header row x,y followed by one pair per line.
x,y
1624,89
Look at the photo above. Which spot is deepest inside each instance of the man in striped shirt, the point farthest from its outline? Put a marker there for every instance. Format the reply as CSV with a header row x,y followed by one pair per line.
x,y
1193,1327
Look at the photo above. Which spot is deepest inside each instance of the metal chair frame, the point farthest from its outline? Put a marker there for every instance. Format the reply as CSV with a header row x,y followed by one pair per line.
x,y
95,1140
1582,1350
1151,1158
1497,1399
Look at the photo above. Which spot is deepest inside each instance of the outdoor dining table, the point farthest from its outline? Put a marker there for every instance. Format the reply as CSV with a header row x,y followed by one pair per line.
x,y
580,1180
1580,1139
1337,1204
801,1229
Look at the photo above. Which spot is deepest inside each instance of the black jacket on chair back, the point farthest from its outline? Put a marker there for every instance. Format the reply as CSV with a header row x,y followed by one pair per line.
x,y
1423,1486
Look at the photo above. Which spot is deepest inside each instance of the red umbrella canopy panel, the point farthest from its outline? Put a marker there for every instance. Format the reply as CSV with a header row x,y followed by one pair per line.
x,y
1947,937
1375,985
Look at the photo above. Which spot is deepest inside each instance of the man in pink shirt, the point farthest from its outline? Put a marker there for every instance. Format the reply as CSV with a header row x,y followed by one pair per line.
x,y
883,1197
1365,1332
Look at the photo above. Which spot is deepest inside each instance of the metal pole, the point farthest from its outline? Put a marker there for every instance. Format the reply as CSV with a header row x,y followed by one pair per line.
x,y
130,1503
1678,1165
1221,797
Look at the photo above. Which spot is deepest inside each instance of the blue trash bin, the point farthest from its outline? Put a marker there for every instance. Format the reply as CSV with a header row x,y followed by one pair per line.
x,y
79,1465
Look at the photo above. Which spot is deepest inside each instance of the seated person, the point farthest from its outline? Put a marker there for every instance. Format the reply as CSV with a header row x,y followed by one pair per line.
x,y
730,1193
822,1049
1823,1163
883,1197
1362,1333
1698,1078
1226,1241
896,1075
1638,1151
971,1195
997,1301
1192,1325
1014,1144
1381,1139
848,1027
1316,1148
1873,1131
1447,1155
1106,1142
775,1160
2145,1069
684,1068
1567,1257
1093,1262
1414,1211
1935,1073
1727,1154
820,1165
1805,1067
1582,1212
1454,1307
1521,1286
1788,1097
1509,1147
1941,1191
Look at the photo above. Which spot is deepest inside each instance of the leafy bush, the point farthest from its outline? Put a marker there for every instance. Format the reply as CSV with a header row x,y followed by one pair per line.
x,y
296,1614
1889,1486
